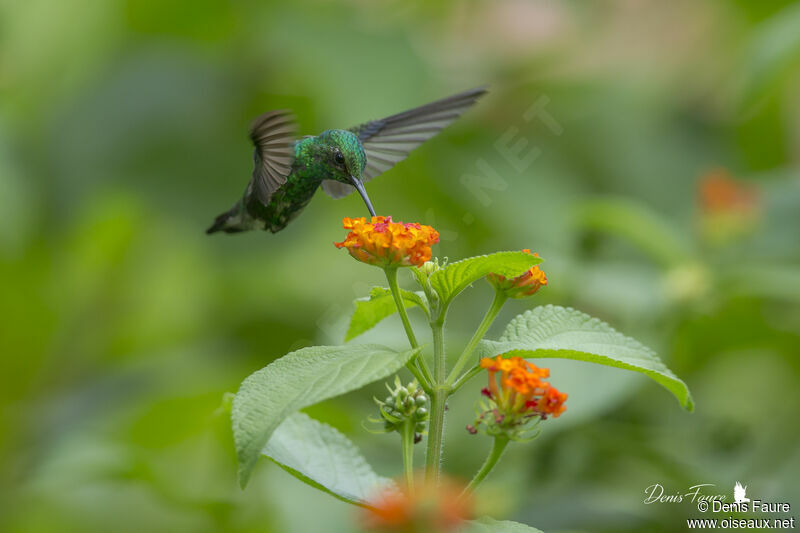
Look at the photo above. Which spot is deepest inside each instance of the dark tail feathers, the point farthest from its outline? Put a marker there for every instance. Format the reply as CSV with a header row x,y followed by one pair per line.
x,y
221,221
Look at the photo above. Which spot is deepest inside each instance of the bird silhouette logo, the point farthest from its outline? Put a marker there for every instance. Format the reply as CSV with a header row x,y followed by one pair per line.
x,y
739,493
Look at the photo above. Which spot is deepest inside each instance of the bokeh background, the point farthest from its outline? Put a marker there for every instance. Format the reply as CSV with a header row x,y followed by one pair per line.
x,y
647,150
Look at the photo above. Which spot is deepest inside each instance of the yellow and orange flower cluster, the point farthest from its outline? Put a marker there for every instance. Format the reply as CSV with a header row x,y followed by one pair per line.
x,y
720,192
521,387
386,244
430,509
524,285
729,208
517,394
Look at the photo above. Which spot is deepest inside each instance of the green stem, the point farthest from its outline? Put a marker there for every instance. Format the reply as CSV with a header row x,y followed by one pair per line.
x,y
426,374
424,383
422,374
391,277
438,403
498,447
472,372
408,453
488,319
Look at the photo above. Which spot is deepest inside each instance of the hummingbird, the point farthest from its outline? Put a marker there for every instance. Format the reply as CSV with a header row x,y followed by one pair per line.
x,y
287,171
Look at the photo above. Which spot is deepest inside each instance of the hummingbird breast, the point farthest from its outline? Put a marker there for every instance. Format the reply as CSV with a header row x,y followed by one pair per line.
x,y
289,200
286,203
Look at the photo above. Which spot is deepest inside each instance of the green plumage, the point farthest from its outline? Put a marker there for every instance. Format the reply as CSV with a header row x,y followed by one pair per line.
x,y
312,164
287,172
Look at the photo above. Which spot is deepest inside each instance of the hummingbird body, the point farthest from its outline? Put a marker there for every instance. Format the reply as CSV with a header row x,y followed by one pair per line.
x,y
312,163
287,172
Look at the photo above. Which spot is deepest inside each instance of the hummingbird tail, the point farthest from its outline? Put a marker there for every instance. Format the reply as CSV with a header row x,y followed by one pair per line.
x,y
226,222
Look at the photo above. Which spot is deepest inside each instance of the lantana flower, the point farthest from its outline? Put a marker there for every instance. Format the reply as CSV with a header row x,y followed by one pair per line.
x,y
718,192
729,208
517,394
430,509
524,285
388,244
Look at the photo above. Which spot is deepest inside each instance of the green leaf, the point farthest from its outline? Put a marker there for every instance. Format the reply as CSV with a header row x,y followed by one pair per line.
x,y
490,525
455,277
559,332
770,58
297,380
379,305
639,225
321,456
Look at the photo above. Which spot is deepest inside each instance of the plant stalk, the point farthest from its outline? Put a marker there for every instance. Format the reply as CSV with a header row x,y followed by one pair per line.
x,y
408,453
422,374
488,319
498,447
391,277
438,404
472,372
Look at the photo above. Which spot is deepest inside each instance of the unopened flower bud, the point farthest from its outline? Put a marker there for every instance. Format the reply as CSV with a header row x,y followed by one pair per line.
x,y
429,267
405,404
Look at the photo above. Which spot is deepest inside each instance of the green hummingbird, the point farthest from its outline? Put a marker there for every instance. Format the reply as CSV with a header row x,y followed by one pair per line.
x,y
287,171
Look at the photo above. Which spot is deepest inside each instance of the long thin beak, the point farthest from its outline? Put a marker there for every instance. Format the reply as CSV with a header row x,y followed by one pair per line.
x,y
363,192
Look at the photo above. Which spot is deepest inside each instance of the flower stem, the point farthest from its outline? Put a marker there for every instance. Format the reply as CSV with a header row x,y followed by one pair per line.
x,y
422,374
408,453
498,447
391,277
438,403
488,318
472,372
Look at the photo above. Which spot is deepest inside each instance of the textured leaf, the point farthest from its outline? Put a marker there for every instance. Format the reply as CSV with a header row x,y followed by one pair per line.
x,y
490,525
297,380
565,333
455,277
379,305
321,456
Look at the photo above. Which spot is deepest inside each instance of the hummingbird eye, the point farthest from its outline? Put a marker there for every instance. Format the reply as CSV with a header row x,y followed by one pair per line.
x,y
338,157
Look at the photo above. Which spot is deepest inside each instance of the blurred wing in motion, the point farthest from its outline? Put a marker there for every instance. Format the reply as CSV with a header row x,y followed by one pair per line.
x,y
388,141
273,135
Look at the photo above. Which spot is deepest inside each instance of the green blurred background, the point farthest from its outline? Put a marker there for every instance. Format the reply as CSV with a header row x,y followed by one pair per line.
x,y
123,133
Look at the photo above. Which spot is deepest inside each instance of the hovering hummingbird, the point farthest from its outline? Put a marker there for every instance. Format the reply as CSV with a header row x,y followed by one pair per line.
x,y
287,171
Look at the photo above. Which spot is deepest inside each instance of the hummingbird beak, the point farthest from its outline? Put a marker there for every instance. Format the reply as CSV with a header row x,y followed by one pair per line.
x,y
363,192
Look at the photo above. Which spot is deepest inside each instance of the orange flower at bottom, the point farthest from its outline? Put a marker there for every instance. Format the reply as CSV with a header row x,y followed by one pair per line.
x,y
427,510
718,191
729,208
384,243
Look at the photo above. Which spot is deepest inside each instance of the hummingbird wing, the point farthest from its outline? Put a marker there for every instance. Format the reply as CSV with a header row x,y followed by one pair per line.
x,y
388,141
273,135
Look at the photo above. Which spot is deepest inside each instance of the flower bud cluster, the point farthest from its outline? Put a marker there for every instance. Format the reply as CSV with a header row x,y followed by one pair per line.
x,y
404,404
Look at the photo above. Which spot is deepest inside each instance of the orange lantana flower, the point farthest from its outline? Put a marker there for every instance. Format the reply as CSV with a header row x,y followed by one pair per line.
x,y
729,208
524,285
384,243
718,191
429,509
517,394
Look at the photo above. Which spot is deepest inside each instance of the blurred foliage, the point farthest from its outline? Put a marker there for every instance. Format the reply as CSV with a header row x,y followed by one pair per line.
x,y
122,133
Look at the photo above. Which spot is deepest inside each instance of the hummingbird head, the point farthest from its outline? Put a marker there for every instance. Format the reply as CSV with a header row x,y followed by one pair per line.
x,y
343,159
